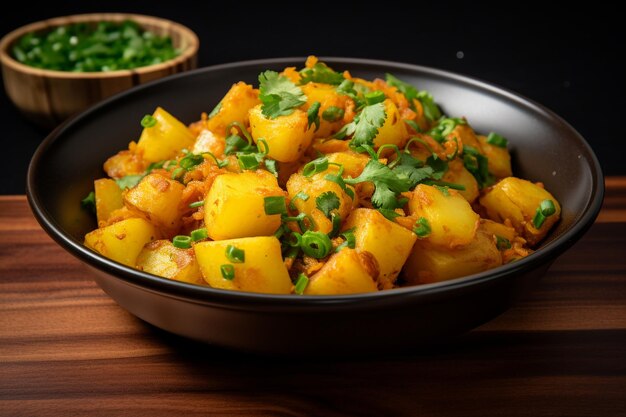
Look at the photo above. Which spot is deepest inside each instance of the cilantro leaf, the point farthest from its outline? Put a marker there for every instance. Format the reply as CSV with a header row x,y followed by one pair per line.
x,y
280,96
320,73
439,166
415,175
347,88
129,181
388,184
431,111
478,165
327,202
389,214
366,128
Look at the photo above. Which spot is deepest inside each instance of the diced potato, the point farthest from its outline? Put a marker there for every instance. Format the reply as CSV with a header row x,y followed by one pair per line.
x,y
430,263
157,199
162,258
288,136
499,158
393,131
122,241
458,174
124,163
165,139
347,272
452,221
497,229
466,136
314,187
234,207
389,242
208,141
327,96
234,107
108,198
353,163
262,271
517,200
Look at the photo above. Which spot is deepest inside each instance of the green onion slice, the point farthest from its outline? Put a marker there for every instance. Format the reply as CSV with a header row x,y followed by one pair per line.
x,y
199,234
228,271
301,284
182,242
316,244
422,228
148,121
275,205
235,255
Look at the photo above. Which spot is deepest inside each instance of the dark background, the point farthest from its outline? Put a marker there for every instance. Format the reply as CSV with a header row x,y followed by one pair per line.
x,y
570,60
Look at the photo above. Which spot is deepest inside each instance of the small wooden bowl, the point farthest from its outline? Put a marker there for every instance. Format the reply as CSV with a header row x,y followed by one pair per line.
x,y
48,97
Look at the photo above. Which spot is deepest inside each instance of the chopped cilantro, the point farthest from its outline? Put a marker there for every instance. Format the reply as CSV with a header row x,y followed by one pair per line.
x,y
332,114
431,111
280,96
129,181
327,202
388,184
320,73
366,128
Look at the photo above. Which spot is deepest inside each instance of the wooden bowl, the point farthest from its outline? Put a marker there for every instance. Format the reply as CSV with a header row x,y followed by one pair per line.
x,y
48,97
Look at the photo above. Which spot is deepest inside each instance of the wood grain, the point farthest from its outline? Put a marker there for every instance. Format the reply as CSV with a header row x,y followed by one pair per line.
x,y
67,349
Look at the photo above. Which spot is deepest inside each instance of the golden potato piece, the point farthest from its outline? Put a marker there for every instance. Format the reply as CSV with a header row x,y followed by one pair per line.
x,y
262,271
450,217
234,207
389,242
122,241
165,139
234,107
430,263
393,131
162,258
108,198
517,200
288,136
458,174
499,159
157,199
347,272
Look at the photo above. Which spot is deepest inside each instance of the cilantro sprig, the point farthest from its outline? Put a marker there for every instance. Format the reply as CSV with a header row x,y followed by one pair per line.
x,y
279,95
320,73
431,111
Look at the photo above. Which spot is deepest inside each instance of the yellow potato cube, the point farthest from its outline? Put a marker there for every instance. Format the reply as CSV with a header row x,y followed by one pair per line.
x,y
393,131
122,241
497,229
235,205
165,139
389,242
157,199
234,107
499,159
313,187
450,217
347,272
162,258
353,163
430,263
327,96
288,136
262,271
108,198
517,200
458,174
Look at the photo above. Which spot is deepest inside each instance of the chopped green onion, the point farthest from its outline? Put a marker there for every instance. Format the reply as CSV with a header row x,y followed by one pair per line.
x,y
313,115
374,97
235,255
248,161
297,242
502,243
197,204
236,143
148,121
336,222
301,195
546,209
316,244
216,110
350,241
301,284
422,227
182,242
89,202
228,271
266,146
333,113
270,165
315,166
199,234
497,140
275,205
443,189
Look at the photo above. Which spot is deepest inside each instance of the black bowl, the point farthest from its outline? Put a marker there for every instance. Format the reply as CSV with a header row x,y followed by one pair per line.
x,y
545,148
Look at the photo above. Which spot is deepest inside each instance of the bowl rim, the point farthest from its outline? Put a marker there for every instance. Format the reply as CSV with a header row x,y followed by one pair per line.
x,y
7,40
240,299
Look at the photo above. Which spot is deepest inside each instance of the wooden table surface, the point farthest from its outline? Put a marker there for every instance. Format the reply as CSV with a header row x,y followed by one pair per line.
x,y
67,349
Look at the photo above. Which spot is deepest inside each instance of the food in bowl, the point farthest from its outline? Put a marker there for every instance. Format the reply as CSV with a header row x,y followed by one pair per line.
x,y
102,46
317,183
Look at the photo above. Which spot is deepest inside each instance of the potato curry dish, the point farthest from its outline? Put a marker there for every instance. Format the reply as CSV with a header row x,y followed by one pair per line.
x,y
318,183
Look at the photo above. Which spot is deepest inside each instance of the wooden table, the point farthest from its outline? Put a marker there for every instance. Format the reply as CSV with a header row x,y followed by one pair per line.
x,y
67,349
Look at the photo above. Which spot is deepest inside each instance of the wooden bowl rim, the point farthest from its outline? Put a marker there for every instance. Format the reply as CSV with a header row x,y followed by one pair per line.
x,y
11,37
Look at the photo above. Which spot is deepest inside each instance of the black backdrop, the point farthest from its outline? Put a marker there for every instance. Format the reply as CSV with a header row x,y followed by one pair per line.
x,y
570,60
